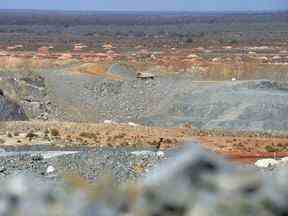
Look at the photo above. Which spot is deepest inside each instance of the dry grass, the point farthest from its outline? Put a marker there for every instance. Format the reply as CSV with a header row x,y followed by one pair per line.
x,y
95,135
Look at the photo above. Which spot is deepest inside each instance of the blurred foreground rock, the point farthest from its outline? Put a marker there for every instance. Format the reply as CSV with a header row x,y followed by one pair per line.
x,y
193,183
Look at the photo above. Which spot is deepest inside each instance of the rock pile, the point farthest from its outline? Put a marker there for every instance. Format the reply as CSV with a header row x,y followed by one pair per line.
x,y
30,94
10,110
193,183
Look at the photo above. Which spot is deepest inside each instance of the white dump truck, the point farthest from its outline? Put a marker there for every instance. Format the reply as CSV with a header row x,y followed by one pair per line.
x,y
145,75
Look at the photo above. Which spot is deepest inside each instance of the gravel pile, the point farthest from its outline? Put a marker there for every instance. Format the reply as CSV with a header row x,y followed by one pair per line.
x,y
192,183
121,100
122,165
166,101
241,106
172,101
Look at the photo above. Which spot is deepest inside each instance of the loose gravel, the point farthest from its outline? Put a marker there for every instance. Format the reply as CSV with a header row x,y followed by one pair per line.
x,y
121,164
172,101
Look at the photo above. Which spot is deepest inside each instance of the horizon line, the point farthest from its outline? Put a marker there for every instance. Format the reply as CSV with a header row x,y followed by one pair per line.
x,y
137,10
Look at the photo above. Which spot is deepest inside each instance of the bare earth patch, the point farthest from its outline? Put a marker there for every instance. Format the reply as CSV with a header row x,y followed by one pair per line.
x,y
237,146
64,134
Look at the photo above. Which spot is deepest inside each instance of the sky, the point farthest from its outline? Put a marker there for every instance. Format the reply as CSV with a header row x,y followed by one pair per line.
x,y
147,5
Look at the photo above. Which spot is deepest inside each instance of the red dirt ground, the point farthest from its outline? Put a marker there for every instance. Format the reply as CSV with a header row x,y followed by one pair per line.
x,y
245,149
240,148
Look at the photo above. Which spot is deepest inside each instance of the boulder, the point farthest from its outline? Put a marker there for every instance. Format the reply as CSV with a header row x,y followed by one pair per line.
x,y
50,169
132,124
285,159
196,182
265,163
10,110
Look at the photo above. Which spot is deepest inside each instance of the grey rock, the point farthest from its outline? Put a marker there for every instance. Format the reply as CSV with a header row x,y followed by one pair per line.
x,y
28,91
10,110
200,183
171,101
191,182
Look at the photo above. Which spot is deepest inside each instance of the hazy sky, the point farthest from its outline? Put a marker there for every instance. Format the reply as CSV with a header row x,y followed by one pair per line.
x,y
193,5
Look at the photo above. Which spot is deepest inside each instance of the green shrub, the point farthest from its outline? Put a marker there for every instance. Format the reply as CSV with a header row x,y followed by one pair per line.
x,y
31,135
87,135
270,148
54,132
9,135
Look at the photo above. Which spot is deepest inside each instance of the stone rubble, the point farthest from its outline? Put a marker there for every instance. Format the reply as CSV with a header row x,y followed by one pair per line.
x,y
192,183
